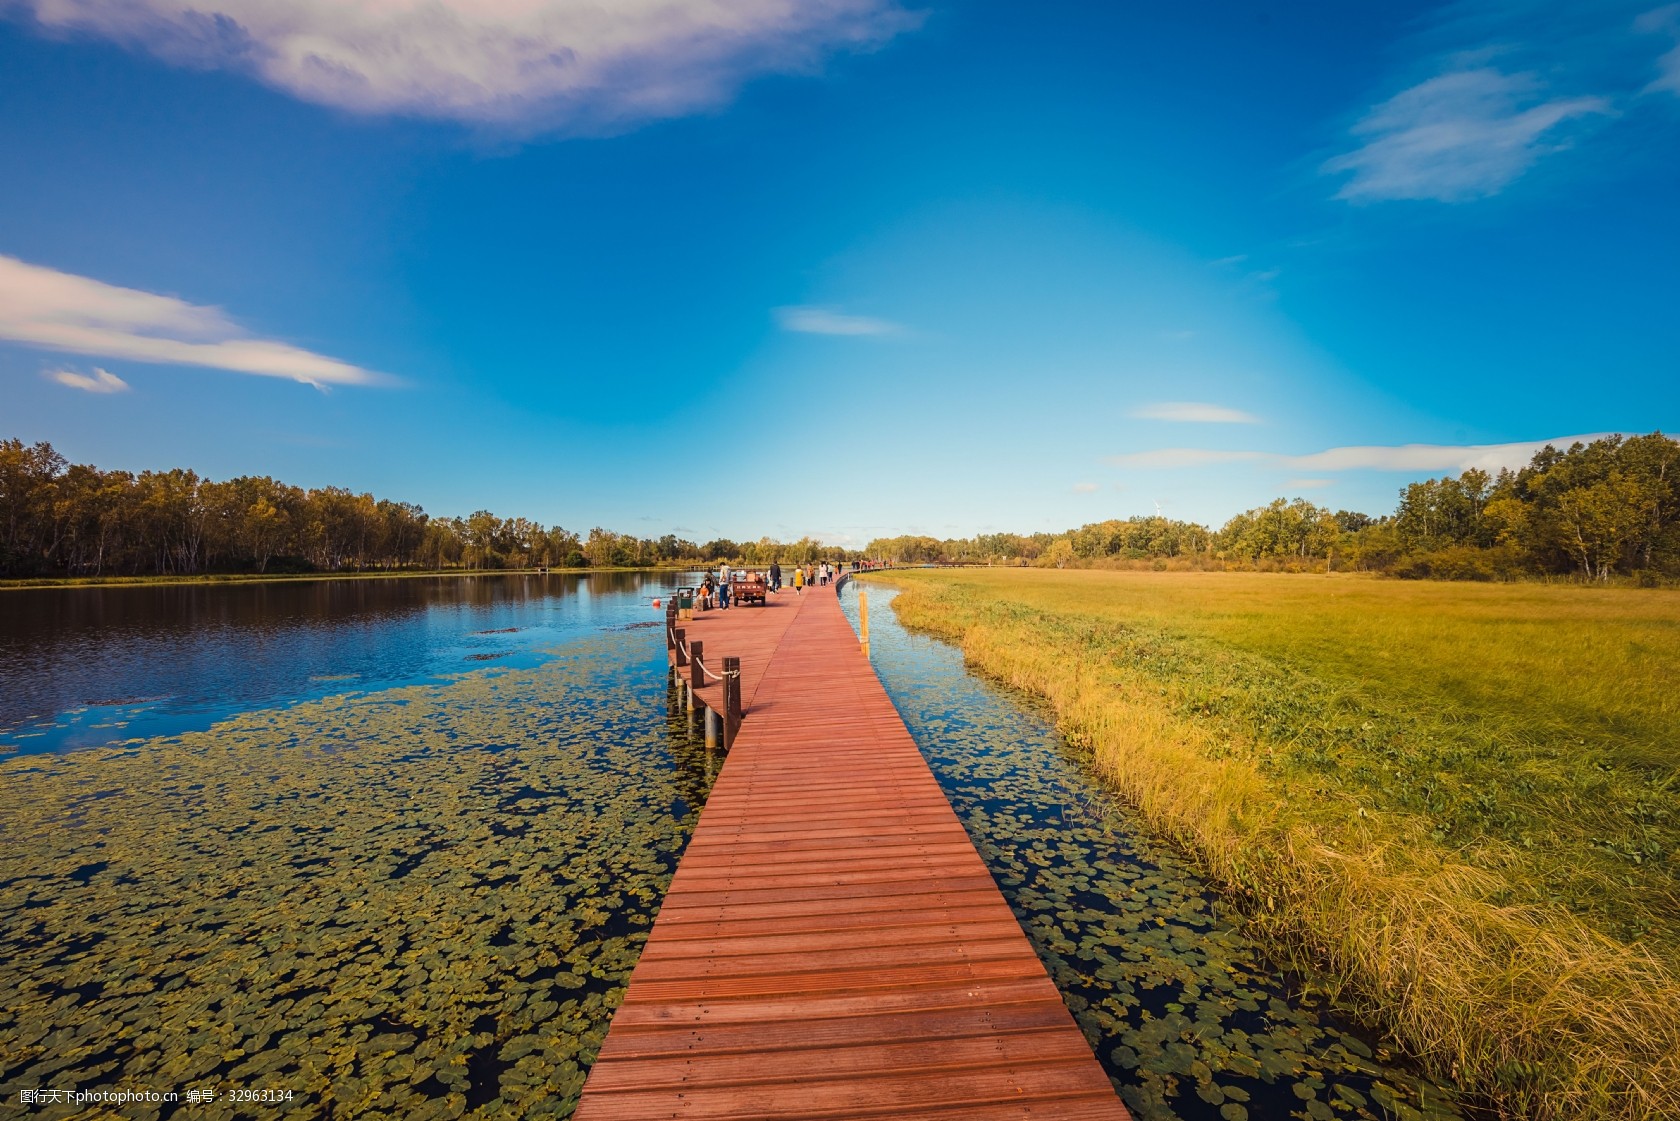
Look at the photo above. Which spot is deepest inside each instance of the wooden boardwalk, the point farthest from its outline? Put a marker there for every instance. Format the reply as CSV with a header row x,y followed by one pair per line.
x,y
832,945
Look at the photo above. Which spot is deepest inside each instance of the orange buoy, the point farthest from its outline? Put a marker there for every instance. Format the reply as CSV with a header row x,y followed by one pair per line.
x,y
656,603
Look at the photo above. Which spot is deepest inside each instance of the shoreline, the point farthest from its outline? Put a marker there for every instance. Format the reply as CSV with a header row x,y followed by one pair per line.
x,y
34,582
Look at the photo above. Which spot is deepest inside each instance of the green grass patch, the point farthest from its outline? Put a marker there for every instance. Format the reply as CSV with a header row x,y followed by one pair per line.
x,y
1457,799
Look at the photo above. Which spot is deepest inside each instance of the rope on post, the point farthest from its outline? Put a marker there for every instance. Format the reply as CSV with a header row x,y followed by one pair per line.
x,y
694,651
731,700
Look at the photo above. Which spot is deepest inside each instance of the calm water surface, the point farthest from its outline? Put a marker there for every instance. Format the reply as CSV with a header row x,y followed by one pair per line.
x,y
1180,1007
80,667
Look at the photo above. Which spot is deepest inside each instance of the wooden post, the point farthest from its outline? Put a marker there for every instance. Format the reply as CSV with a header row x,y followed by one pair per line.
x,y
696,664
678,638
731,700
712,724
863,619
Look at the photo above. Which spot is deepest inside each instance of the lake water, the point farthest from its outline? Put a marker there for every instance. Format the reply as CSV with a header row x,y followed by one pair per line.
x,y
391,848
81,667
382,848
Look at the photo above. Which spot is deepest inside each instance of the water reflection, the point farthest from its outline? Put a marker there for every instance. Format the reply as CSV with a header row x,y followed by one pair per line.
x,y
81,667
697,765
1181,1008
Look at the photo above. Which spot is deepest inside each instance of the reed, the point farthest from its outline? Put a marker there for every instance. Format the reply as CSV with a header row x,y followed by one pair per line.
x,y
1454,804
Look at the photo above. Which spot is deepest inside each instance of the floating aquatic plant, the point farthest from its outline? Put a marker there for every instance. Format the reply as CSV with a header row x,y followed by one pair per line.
x,y
423,902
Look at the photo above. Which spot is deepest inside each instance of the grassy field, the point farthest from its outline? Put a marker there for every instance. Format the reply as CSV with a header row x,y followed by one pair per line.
x,y
1459,804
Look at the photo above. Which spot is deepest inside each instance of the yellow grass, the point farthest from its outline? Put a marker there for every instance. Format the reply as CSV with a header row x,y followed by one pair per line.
x,y
1457,802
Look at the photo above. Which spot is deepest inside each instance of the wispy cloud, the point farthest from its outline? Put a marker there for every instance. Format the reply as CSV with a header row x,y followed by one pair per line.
x,y
577,64
1462,135
1308,484
1398,457
1233,259
1428,457
1194,412
1086,488
1664,21
61,311
822,321
101,381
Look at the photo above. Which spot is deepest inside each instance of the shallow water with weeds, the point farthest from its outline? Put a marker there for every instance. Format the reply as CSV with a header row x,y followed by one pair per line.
x,y
1179,1005
420,901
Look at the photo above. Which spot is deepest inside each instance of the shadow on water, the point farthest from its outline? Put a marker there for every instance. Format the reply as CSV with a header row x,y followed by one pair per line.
x,y
1182,1009
697,765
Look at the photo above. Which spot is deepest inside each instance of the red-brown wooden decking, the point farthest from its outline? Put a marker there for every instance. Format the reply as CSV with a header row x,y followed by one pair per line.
x,y
832,945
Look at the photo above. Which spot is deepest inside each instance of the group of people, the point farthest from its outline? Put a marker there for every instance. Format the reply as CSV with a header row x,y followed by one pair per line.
x,y
714,591
805,575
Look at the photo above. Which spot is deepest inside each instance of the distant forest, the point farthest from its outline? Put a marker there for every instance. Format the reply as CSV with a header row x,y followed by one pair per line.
x,y
1593,511
59,519
1608,508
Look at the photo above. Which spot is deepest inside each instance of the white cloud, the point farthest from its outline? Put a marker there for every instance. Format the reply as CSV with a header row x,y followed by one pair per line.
x,y
1668,77
1664,20
1085,488
578,64
1193,412
1462,135
1427,457
102,381
61,311
821,321
1308,484
1402,457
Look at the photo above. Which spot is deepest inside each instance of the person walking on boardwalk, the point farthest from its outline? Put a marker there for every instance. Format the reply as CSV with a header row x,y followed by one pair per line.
x,y
723,586
775,576
798,581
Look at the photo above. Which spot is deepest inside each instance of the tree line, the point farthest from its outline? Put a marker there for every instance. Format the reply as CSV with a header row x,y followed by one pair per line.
x,y
1607,508
63,519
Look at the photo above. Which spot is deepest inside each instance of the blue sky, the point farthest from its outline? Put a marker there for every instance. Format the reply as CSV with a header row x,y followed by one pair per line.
x,y
845,268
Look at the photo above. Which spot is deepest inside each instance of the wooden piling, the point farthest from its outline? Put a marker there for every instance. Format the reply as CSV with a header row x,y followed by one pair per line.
x,y
731,700
863,620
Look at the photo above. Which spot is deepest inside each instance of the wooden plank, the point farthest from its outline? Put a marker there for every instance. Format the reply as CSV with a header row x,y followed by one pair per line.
x,y
832,946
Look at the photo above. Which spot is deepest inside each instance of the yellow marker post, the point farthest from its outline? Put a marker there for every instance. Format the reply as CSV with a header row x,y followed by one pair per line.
x,y
863,620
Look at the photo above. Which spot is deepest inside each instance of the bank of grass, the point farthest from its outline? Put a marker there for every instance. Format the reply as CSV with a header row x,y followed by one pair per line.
x,y
1459,804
